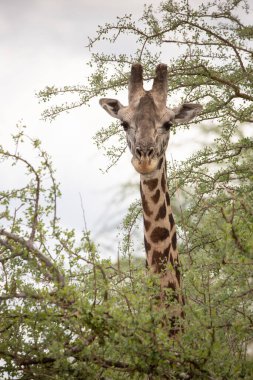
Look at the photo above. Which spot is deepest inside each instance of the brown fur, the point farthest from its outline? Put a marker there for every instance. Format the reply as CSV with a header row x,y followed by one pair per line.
x,y
155,198
152,184
159,234
162,212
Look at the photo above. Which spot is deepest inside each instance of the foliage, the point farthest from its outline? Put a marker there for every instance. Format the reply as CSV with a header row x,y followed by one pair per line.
x,y
65,312
208,49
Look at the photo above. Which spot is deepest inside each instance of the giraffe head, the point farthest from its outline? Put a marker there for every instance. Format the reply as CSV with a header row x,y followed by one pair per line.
x,y
147,119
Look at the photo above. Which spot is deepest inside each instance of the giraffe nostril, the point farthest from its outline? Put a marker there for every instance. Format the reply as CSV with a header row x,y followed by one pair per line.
x,y
138,152
150,152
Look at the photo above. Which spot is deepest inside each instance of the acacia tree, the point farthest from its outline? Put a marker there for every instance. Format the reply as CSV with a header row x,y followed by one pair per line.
x,y
65,313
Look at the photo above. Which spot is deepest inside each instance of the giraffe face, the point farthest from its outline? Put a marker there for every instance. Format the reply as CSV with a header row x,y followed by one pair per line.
x,y
147,119
147,128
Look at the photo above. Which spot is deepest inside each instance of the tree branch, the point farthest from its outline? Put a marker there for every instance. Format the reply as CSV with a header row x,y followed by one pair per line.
x,y
38,254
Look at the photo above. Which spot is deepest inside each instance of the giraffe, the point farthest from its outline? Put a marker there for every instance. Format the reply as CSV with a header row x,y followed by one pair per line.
x,y
147,121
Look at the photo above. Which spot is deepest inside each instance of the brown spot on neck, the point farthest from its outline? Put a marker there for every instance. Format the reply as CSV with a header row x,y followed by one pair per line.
x,y
151,183
174,241
163,183
145,205
167,198
161,212
166,252
147,224
147,245
160,259
155,198
172,222
159,234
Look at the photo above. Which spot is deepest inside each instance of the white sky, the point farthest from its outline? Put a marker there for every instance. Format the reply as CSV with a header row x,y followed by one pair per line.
x,y
42,43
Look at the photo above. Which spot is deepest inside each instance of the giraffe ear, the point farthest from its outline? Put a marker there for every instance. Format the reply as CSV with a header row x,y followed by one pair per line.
x,y
112,106
186,112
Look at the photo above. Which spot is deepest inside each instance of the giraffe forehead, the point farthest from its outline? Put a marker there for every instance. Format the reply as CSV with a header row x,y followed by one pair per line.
x,y
144,109
147,103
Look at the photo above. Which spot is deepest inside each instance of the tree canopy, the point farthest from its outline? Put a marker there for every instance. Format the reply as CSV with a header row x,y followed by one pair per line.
x,y
67,313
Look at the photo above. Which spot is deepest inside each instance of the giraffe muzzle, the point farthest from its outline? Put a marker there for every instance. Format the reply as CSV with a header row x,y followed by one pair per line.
x,y
145,165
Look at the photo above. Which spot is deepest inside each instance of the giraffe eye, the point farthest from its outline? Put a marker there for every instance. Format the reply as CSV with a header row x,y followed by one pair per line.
x,y
167,125
125,125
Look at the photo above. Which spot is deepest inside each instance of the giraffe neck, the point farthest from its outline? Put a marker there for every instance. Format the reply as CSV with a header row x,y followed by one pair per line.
x,y
159,228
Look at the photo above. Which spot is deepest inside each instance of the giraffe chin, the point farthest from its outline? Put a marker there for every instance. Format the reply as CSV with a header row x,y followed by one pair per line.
x,y
145,166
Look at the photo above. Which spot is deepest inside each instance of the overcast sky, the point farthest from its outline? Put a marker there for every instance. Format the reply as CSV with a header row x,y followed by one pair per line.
x,y
42,42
